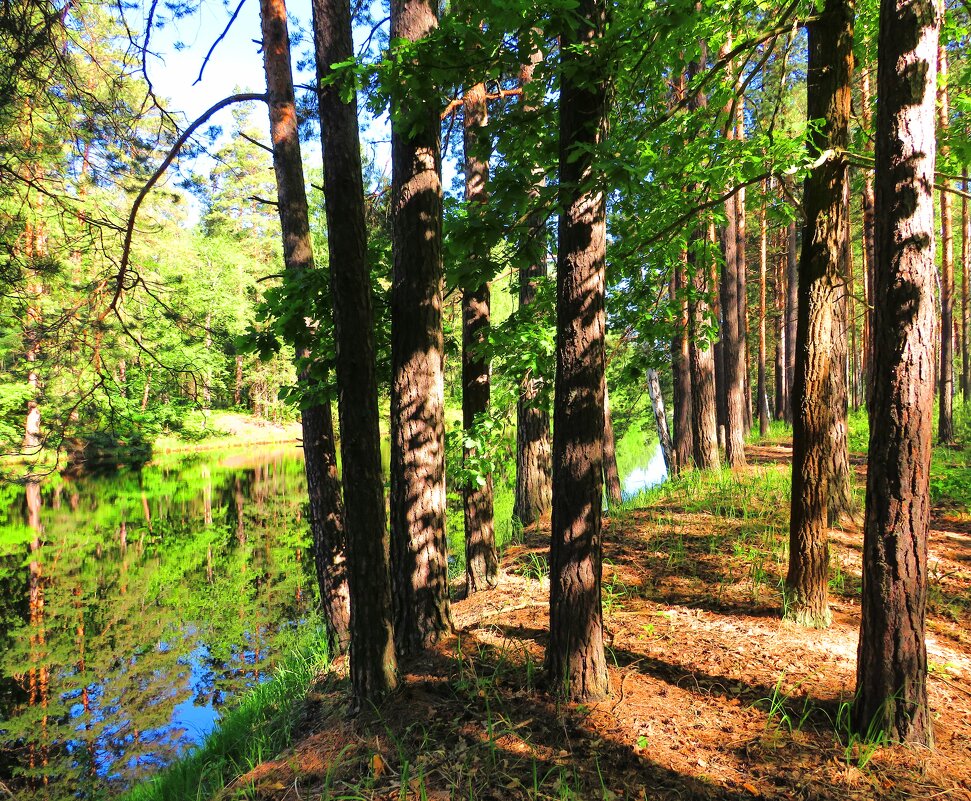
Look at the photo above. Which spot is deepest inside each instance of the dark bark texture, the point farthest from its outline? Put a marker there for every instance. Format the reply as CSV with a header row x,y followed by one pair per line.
x,y
323,485
681,366
733,345
704,415
820,286
372,659
419,561
575,659
481,558
892,657
945,420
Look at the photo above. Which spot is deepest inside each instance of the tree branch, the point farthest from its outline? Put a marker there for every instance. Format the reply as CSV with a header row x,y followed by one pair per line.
x,y
143,193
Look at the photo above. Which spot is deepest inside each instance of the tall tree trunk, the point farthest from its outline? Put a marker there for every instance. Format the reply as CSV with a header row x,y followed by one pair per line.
x,y
372,659
704,413
660,418
733,350
615,494
839,501
820,282
323,485
869,245
419,559
965,289
701,353
481,558
892,658
792,314
742,275
534,468
854,363
781,398
945,420
681,365
575,658
763,399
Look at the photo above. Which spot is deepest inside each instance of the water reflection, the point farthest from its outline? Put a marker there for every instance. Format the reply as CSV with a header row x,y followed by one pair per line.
x,y
650,475
131,613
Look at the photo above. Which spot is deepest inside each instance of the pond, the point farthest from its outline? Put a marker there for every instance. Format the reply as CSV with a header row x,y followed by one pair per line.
x,y
134,607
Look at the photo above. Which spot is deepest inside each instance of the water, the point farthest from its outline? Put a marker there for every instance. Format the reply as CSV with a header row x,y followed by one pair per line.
x,y
643,478
133,608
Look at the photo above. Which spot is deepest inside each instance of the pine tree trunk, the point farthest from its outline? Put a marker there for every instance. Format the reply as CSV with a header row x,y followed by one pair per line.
x,y
763,399
372,658
965,289
792,312
869,245
681,366
839,501
575,658
327,526
892,657
238,385
704,413
945,420
481,558
419,559
733,351
742,276
323,486
781,399
615,494
534,468
820,284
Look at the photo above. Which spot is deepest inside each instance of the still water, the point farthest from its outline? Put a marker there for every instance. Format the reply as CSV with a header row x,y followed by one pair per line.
x,y
134,607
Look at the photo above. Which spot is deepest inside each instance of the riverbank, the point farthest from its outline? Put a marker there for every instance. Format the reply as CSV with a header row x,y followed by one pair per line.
x,y
712,695
230,430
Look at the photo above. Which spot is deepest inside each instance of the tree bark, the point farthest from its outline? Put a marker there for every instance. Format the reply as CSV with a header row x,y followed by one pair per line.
x,y
681,366
869,246
781,398
741,275
733,350
704,414
945,420
372,659
419,560
660,418
534,468
792,315
820,285
762,400
575,659
323,486
892,658
965,289
481,558
615,494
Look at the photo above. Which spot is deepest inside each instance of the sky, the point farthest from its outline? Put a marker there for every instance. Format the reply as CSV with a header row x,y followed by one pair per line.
x,y
179,50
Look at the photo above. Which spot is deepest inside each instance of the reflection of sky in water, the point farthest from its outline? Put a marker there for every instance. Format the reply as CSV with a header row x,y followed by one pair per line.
x,y
190,721
643,478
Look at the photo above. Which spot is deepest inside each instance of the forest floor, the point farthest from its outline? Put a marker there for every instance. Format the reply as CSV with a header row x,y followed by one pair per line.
x,y
712,696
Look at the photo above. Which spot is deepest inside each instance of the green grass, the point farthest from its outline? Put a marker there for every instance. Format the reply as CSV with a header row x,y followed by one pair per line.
x,y
261,726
